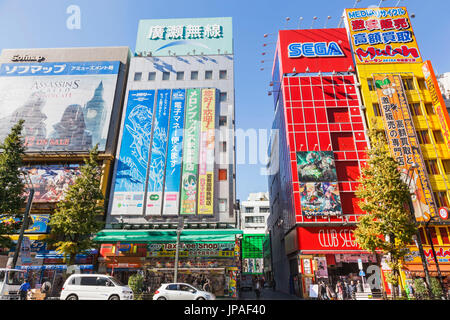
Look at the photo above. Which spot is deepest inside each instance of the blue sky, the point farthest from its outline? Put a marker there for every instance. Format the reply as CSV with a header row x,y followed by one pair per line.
x,y
42,24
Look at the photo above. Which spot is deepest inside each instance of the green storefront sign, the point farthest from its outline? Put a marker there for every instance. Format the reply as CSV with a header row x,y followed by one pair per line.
x,y
189,179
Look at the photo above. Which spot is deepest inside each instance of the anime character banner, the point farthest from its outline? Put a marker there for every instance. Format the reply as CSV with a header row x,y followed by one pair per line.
x,y
320,198
50,182
66,106
315,166
174,154
158,154
189,176
132,163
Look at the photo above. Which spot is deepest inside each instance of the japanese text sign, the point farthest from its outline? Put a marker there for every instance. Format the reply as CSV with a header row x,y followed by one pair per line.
x,y
382,35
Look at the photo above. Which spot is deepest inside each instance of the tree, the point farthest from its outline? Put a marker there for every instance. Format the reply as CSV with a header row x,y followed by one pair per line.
x,y
12,187
136,284
76,218
388,225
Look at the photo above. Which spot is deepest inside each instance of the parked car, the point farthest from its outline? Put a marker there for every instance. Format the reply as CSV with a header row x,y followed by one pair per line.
x,y
181,291
10,281
246,283
94,287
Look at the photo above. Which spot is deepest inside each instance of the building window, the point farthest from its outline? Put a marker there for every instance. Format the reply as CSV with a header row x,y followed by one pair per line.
x,y
444,235
166,76
415,109
223,96
370,84
222,120
223,74
137,76
256,219
429,108
438,136
151,76
422,83
208,75
223,205
194,75
264,209
249,209
424,138
377,110
408,83
446,164
222,174
441,199
432,167
180,75
223,147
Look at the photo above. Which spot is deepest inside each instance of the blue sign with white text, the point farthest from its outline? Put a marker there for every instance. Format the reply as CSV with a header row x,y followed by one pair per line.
x,y
59,68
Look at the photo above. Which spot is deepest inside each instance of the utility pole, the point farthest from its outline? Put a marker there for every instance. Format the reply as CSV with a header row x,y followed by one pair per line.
x,y
179,231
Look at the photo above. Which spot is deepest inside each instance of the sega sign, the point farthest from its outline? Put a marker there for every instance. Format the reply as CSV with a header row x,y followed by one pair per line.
x,y
301,49
314,49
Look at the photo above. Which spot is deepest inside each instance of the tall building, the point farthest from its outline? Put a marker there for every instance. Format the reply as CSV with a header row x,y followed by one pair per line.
x,y
328,87
175,163
254,213
70,99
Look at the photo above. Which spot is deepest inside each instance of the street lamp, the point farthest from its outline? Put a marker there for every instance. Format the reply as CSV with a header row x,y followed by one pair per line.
x,y
441,282
25,218
417,238
177,249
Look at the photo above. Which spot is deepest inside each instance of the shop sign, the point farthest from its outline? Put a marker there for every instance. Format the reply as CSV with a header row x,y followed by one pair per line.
x,y
205,249
314,49
321,267
27,58
403,142
327,238
382,35
443,213
442,254
438,101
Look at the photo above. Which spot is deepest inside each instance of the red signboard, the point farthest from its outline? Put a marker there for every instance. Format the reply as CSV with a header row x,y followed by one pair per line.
x,y
314,50
327,239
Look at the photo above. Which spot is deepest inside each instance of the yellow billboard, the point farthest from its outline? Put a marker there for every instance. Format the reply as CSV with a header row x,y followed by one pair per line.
x,y
382,35
403,141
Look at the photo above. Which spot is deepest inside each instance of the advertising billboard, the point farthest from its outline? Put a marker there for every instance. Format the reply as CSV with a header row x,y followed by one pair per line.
x,y
319,191
382,35
438,101
191,152
51,181
315,50
403,141
206,161
199,36
158,154
66,105
174,153
132,163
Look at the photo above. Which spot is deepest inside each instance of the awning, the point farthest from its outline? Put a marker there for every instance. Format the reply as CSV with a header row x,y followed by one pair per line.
x,y
417,269
147,236
30,236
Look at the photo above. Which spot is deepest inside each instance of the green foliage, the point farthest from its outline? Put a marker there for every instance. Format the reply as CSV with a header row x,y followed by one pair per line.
x,y
12,187
421,292
384,196
76,219
136,282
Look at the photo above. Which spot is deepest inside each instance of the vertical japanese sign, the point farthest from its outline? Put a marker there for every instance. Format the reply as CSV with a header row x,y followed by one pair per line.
x,y
132,164
438,100
382,35
206,162
174,154
403,142
190,152
158,155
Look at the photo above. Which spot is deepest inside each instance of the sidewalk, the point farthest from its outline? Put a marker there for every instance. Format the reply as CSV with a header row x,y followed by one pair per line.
x,y
268,294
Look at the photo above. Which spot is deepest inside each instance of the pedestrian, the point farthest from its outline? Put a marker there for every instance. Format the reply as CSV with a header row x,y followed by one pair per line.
x,y
207,286
330,292
46,289
257,288
351,290
23,290
359,287
339,291
322,291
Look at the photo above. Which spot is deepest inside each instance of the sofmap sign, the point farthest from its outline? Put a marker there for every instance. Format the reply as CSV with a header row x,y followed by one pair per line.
x,y
382,35
205,36
315,49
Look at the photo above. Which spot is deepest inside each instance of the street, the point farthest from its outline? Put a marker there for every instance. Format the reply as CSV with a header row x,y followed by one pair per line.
x,y
267,294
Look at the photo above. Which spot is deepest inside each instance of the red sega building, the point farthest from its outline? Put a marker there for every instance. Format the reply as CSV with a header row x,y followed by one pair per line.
x,y
318,148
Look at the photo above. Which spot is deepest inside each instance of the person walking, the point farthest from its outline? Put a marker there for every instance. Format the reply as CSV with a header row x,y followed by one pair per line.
x,y
46,289
351,290
257,288
23,290
339,291
330,292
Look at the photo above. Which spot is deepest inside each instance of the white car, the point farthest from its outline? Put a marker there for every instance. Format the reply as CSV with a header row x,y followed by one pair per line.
x,y
181,291
94,287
